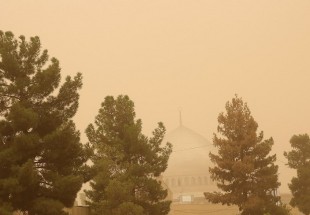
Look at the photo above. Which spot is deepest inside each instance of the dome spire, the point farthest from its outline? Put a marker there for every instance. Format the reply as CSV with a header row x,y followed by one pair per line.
x,y
180,117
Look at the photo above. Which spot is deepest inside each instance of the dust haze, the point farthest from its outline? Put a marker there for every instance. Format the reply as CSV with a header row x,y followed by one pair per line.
x,y
191,54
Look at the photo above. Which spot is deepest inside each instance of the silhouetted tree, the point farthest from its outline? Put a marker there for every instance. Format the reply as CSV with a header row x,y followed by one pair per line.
x,y
299,159
41,157
245,173
127,163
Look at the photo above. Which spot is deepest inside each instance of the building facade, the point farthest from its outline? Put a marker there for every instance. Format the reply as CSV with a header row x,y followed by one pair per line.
x,y
188,167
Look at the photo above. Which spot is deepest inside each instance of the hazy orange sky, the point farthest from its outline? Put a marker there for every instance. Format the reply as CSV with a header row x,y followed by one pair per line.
x,y
194,54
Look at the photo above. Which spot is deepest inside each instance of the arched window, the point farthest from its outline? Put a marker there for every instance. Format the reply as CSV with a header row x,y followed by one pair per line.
x,y
206,180
186,181
172,182
179,182
167,181
199,181
193,181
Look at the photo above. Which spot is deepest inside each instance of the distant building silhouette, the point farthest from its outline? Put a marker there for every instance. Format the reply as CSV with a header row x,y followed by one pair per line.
x,y
188,167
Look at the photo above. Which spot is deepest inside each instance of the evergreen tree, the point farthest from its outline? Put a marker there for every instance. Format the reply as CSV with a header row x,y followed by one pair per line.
x,y
41,157
126,162
299,159
244,170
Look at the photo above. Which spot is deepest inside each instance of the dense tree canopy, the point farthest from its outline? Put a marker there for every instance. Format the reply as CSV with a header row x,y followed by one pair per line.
x,y
41,157
299,159
126,162
244,170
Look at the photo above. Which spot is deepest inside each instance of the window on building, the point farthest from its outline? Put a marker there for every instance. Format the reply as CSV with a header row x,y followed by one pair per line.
x,y
186,181
199,180
193,181
167,182
206,180
172,182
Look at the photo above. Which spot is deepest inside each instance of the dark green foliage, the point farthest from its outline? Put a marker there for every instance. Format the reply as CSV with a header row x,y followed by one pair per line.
x,y
41,158
127,163
6,209
244,171
299,159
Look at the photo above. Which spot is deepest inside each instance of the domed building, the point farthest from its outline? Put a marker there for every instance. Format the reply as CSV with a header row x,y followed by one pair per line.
x,y
187,174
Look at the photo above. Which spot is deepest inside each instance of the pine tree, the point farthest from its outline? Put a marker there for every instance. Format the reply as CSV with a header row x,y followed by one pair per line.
x,y
299,159
41,157
126,162
244,170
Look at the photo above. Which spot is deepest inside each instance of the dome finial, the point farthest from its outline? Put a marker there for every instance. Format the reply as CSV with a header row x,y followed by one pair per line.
x,y
180,116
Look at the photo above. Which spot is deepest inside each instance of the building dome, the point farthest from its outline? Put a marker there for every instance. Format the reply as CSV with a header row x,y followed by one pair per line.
x,y
188,165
